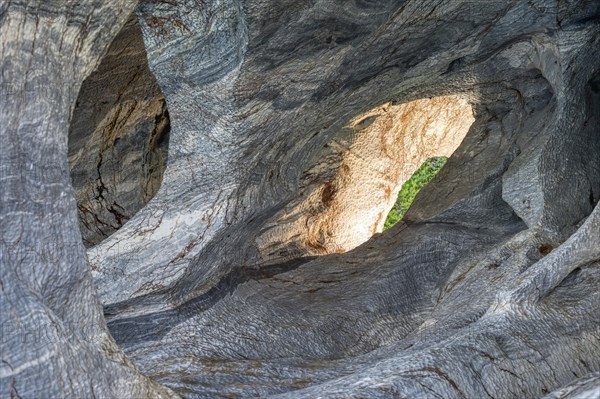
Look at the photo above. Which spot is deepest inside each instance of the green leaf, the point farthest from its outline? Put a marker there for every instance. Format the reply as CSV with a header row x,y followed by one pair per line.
x,y
411,188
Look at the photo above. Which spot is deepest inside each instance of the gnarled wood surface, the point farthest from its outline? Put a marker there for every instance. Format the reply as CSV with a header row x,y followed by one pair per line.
x,y
487,288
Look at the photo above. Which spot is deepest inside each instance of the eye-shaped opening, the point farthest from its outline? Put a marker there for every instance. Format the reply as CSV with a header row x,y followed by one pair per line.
x,y
118,138
367,176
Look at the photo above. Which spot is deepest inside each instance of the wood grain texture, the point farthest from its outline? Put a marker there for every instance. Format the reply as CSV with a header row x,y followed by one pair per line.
x,y
488,288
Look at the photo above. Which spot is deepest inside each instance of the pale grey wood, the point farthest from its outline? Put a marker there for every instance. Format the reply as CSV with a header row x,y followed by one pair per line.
x,y
489,288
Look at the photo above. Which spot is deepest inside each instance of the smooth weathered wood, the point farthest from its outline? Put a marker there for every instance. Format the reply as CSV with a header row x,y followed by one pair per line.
x,y
54,339
489,288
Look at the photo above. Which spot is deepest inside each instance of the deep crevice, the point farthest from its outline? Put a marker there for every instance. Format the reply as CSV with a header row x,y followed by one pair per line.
x,y
118,138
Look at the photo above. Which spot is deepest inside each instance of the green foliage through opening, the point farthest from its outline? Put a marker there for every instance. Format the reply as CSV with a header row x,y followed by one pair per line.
x,y
411,187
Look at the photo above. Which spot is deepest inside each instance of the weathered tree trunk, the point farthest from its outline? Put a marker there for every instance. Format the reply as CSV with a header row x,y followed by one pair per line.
x,y
487,288
54,337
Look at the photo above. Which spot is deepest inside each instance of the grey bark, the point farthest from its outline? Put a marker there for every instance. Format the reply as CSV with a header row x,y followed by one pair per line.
x,y
488,288
54,338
